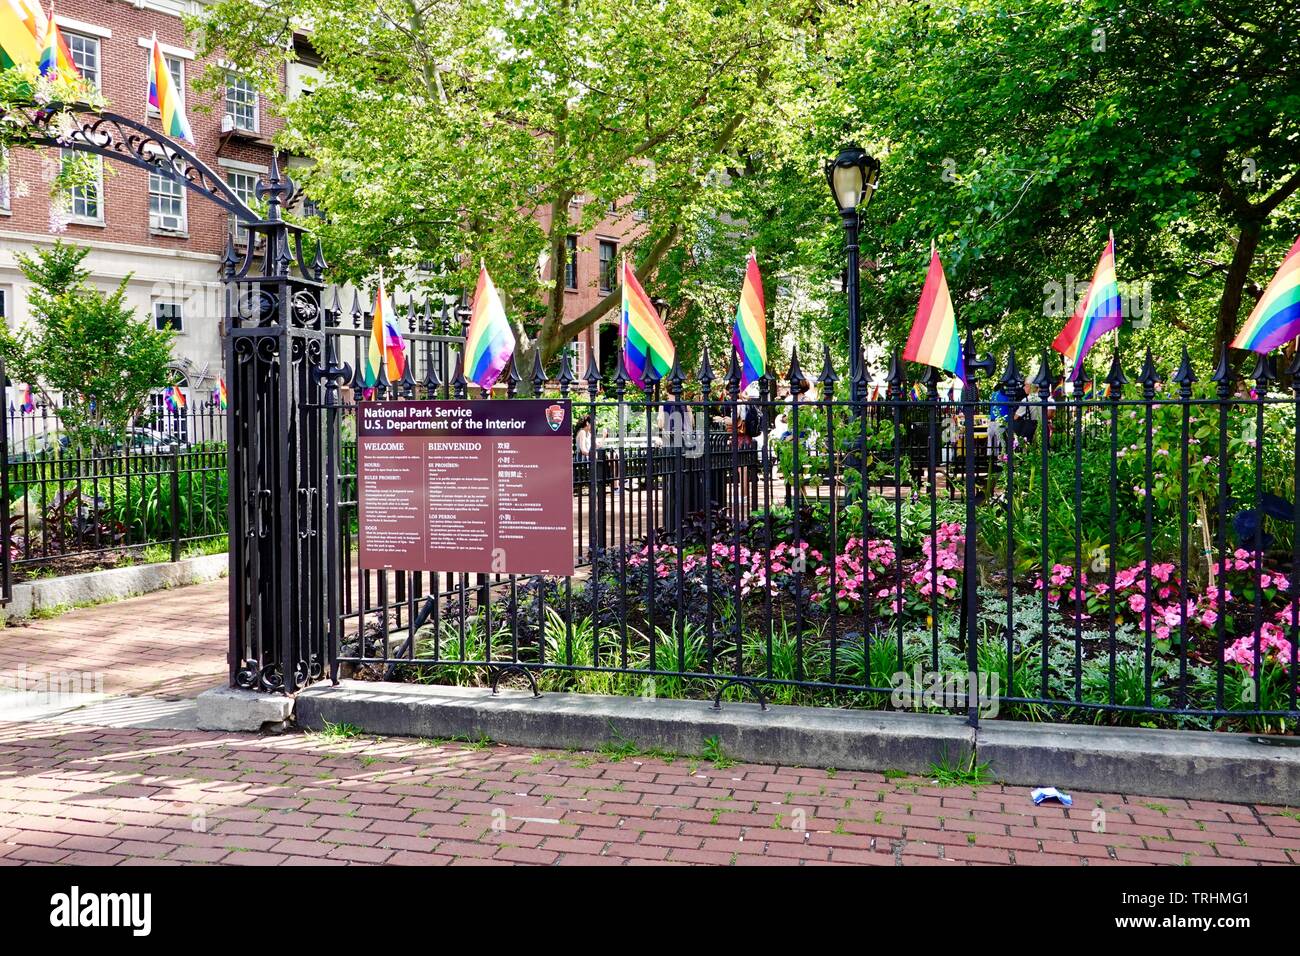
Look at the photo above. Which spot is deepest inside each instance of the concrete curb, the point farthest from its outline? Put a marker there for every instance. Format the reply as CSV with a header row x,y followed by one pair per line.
x,y
229,708
806,736
113,584
1191,764
1172,763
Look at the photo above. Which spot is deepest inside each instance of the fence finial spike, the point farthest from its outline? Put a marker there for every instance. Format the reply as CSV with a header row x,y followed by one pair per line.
x,y
1185,376
432,379
827,378
620,373
675,376
798,383
1012,381
705,375
539,370
566,378
592,376
1043,380
356,308
1116,378
1264,372
1148,376
1223,368
733,369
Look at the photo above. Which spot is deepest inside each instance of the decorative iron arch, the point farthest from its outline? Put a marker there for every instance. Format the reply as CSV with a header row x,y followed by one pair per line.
x,y
126,140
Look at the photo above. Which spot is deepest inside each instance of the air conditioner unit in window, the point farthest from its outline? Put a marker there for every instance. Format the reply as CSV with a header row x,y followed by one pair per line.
x,y
168,223
227,123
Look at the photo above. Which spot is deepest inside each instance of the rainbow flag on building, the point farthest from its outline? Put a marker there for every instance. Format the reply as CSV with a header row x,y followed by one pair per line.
x,y
219,396
165,99
749,333
174,398
18,38
386,344
645,340
25,403
56,58
1275,319
489,341
934,339
1097,314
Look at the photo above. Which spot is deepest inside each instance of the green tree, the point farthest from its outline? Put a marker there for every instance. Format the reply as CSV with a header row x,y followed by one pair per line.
x,y
87,347
449,131
1016,134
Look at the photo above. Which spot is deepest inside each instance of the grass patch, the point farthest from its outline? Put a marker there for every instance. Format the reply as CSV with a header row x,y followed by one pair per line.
x,y
970,774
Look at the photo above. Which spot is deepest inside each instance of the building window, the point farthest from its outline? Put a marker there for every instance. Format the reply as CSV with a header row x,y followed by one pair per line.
x,y
243,185
172,423
4,308
87,201
168,315
241,102
166,204
85,54
608,266
176,67
571,262
4,180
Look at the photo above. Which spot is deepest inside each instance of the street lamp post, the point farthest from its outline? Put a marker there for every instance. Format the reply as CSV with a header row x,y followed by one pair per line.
x,y
853,176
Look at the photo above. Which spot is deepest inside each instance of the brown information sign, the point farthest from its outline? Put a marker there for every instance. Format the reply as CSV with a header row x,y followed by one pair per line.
x,y
476,486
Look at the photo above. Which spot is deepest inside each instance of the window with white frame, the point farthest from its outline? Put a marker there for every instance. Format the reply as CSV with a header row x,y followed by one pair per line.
x,y
570,262
87,201
244,185
176,69
241,102
85,54
169,315
166,204
173,423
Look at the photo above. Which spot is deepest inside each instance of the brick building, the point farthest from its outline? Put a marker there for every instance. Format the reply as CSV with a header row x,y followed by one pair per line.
x,y
170,240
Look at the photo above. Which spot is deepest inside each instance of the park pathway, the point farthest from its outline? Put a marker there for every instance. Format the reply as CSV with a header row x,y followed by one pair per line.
x,y
129,782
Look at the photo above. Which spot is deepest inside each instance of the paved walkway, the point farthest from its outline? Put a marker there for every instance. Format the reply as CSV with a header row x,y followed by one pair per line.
x,y
168,644
96,796
95,785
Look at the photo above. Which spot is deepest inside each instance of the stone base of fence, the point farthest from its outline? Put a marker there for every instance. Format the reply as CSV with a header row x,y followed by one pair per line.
x,y
93,587
1173,763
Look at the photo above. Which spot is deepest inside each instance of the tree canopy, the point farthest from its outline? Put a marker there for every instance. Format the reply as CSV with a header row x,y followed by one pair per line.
x,y
1014,136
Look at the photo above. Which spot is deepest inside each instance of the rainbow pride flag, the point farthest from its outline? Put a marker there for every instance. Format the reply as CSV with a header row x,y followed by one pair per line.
x,y
386,345
645,340
165,99
1276,316
489,341
18,40
25,403
749,333
174,398
1097,314
56,58
934,339
219,396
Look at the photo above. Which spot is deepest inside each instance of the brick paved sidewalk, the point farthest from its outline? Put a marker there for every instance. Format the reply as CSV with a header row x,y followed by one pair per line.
x,y
96,796
169,644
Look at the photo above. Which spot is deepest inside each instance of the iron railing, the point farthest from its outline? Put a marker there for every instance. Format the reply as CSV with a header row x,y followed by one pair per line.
x,y
68,505
1120,552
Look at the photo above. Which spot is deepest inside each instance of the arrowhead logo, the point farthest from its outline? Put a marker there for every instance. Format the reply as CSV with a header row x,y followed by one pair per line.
x,y
555,417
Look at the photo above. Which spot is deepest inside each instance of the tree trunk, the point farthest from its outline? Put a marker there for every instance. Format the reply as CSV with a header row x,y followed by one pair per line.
x,y
1235,282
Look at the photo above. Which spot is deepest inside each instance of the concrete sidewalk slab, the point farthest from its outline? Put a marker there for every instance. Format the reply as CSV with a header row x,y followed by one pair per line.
x,y
798,736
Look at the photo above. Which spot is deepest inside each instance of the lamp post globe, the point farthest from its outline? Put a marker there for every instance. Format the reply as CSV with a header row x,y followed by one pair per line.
x,y
853,176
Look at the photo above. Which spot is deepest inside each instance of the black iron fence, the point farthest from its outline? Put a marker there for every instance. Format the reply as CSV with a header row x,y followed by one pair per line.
x,y
1123,551
160,485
